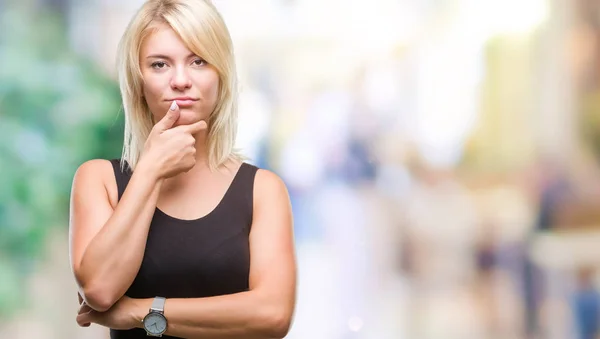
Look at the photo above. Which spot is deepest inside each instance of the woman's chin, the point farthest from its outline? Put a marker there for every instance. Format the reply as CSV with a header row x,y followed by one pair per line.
x,y
187,118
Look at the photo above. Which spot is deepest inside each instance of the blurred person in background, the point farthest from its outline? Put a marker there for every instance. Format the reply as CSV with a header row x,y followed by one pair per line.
x,y
586,305
486,262
553,190
181,237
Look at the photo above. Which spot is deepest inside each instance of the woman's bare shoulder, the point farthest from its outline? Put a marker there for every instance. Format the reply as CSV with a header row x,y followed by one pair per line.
x,y
95,172
268,185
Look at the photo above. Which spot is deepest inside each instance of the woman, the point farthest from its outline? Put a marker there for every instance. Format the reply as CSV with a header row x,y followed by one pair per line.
x,y
180,237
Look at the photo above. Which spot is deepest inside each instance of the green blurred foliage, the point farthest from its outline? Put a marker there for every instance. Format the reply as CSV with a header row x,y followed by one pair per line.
x,y
57,110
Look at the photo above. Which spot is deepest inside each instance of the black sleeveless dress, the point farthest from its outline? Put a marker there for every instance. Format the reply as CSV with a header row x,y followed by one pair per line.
x,y
198,258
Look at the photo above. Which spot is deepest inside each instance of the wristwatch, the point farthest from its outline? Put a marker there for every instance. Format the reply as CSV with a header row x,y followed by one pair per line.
x,y
155,322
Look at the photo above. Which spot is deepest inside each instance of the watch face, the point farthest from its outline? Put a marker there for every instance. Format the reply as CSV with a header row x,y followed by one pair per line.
x,y
155,323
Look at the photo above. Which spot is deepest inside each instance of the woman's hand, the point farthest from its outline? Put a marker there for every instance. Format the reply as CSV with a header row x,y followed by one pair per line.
x,y
171,150
123,315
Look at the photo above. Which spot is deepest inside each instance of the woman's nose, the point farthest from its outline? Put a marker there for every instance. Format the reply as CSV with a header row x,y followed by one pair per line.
x,y
180,79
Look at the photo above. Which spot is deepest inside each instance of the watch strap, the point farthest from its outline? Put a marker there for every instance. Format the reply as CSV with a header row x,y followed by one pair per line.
x,y
158,304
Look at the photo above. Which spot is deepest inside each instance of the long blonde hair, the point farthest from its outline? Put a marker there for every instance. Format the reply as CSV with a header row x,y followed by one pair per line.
x,y
202,29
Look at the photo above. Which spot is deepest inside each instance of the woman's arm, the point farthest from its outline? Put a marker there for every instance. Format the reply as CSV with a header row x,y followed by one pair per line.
x,y
265,311
106,245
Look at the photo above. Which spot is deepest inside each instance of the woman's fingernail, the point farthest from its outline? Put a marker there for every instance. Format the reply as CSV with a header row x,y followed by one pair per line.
x,y
173,105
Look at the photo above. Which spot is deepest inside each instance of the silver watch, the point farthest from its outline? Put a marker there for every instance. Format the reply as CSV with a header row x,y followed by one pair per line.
x,y
155,322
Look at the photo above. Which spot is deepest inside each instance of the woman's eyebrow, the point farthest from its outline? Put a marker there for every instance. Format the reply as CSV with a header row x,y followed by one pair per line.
x,y
162,56
157,56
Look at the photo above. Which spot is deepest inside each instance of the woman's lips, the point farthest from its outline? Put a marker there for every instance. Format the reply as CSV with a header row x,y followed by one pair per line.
x,y
187,102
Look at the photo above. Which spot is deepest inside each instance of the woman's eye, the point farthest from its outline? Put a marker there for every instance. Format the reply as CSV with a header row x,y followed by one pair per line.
x,y
158,65
199,62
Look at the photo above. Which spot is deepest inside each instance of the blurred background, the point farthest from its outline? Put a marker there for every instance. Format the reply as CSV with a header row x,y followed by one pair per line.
x,y
442,157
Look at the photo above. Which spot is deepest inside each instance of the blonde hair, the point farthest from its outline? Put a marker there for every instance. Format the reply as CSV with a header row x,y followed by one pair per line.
x,y
203,31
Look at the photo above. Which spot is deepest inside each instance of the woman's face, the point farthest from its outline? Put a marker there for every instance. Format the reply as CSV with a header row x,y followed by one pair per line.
x,y
172,72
